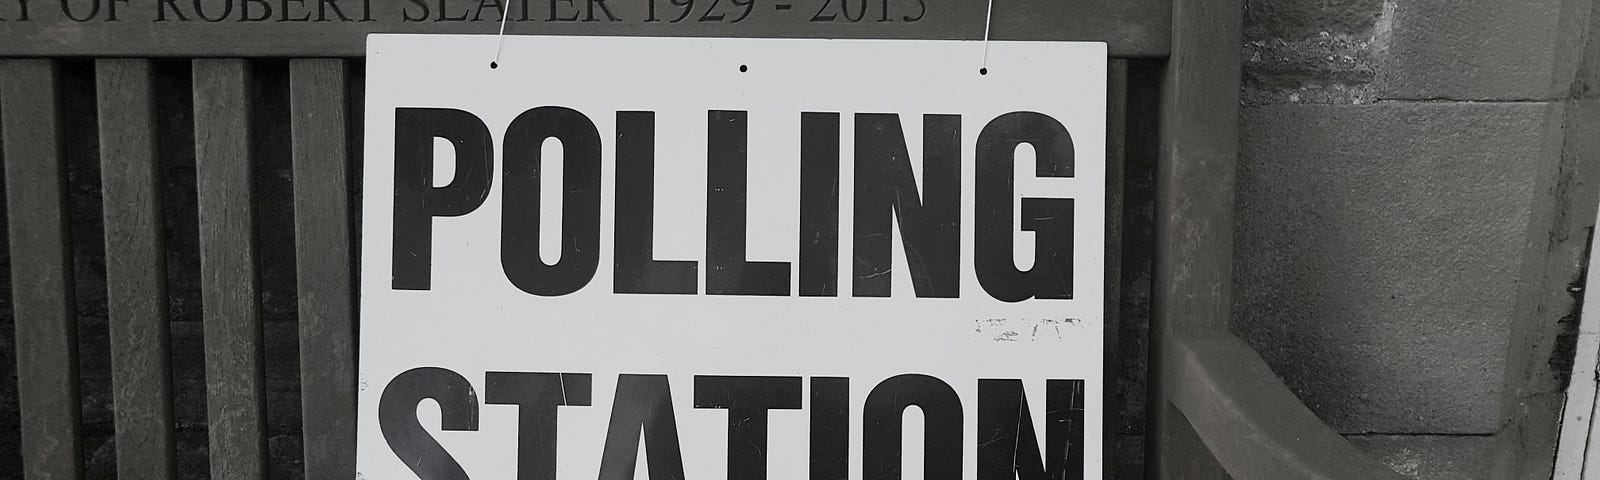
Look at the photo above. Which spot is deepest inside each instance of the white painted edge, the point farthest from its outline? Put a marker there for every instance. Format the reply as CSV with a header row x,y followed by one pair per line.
x,y
1578,428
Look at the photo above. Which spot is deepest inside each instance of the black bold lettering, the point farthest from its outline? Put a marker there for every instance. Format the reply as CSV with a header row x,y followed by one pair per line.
x,y
416,200
819,204
886,190
411,443
1049,218
747,399
580,201
1008,448
536,396
636,269
643,402
830,428
883,415
727,182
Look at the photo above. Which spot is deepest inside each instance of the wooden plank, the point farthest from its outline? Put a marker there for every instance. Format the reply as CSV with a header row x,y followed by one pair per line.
x,y
135,270
1131,28
1116,135
227,269
1199,131
322,248
1200,148
41,270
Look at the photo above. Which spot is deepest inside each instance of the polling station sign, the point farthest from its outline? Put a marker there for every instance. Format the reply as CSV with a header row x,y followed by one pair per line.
x,y
685,258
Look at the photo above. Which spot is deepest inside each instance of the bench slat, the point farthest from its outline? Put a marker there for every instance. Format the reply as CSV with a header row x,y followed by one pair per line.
x,y
1251,423
41,270
322,248
47,349
135,270
232,318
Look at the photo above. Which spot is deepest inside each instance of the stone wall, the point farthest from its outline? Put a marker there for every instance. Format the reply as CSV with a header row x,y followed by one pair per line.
x,y
1415,200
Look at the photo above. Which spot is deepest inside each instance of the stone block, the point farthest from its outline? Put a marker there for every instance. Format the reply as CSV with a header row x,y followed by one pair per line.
x,y
1295,19
1477,51
1309,51
1378,254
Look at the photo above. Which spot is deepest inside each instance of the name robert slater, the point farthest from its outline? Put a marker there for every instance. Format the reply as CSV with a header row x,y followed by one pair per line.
x,y
885,190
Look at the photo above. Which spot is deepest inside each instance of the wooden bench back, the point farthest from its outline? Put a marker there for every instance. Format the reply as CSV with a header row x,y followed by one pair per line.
x,y
323,123
1215,406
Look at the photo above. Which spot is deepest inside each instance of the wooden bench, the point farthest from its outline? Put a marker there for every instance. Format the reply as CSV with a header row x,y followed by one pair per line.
x,y
1216,409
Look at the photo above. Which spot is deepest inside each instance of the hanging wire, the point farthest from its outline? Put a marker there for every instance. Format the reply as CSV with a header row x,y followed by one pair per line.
x,y
988,18
500,41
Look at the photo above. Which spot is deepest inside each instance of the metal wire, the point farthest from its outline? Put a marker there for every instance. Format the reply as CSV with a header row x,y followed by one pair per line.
x,y
500,41
988,18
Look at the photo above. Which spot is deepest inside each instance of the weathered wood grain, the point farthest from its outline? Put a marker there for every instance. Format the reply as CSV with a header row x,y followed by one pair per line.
x,y
1132,28
1199,130
232,319
1194,218
41,270
322,249
135,270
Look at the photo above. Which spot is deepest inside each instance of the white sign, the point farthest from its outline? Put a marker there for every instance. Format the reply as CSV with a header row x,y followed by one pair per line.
x,y
670,258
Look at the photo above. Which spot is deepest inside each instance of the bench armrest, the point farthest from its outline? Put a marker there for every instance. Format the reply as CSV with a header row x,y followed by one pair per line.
x,y
1252,424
